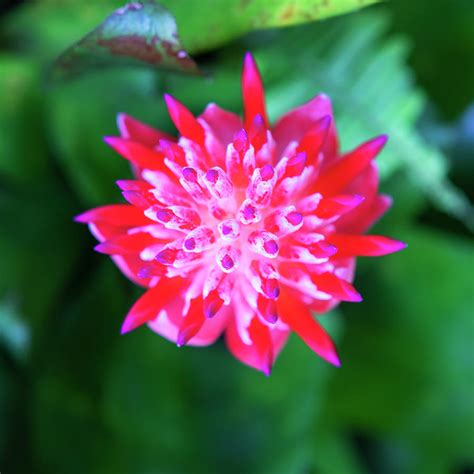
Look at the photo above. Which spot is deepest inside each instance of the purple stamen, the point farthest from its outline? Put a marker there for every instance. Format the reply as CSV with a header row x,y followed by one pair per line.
x,y
164,215
294,218
271,247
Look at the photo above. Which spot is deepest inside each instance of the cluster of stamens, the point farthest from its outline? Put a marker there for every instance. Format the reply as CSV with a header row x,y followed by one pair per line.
x,y
259,223
230,216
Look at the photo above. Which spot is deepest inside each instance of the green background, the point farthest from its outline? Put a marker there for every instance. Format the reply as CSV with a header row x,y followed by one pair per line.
x,y
76,397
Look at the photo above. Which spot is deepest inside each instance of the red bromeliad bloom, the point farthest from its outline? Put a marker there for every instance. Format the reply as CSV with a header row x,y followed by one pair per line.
x,y
240,227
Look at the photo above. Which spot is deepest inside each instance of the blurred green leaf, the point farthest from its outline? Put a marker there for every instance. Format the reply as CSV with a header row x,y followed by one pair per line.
x,y
39,245
82,112
369,83
22,161
202,27
14,333
334,453
199,410
140,33
69,363
442,62
372,91
409,351
8,393
216,23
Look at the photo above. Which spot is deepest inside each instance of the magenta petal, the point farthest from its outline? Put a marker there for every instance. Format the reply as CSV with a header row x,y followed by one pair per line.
x,y
184,120
252,92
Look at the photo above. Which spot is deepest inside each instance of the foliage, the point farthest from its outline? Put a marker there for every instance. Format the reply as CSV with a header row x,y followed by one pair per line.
x,y
139,33
76,397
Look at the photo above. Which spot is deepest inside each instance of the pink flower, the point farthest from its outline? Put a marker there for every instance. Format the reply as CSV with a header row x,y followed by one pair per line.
x,y
240,227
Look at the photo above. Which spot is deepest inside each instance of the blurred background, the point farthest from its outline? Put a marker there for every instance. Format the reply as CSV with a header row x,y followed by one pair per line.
x,y
76,397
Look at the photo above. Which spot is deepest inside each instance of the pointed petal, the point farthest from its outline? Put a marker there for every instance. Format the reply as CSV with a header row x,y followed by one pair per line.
x,y
261,338
294,125
150,303
336,287
343,171
116,215
224,124
312,143
140,155
191,323
134,130
252,92
184,120
267,309
295,313
379,207
126,244
260,353
212,304
295,165
134,185
170,321
130,266
338,205
365,245
358,220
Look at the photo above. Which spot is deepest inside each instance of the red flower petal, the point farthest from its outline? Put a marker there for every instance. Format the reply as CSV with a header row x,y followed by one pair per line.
x,y
338,205
339,175
252,93
116,214
132,129
336,287
312,143
224,124
192,322
294,125
262,350
184,120
126,244
138,154
294,313
150,303
365,245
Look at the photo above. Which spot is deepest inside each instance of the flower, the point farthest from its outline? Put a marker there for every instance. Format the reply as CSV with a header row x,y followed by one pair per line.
x,y
240,227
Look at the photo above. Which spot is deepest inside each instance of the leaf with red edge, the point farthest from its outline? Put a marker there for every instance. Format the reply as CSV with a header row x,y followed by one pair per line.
x,y
141,33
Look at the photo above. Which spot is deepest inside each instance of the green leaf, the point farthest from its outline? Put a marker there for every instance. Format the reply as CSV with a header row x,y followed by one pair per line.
x,y
217,22
372,91
440,61
333,452
41,28
140,33
14,333
80,113
370,85
199,410
67,370
22,162
409,353
35,268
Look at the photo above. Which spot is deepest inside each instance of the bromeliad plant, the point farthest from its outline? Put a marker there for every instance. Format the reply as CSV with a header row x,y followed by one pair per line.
x,y
241,227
